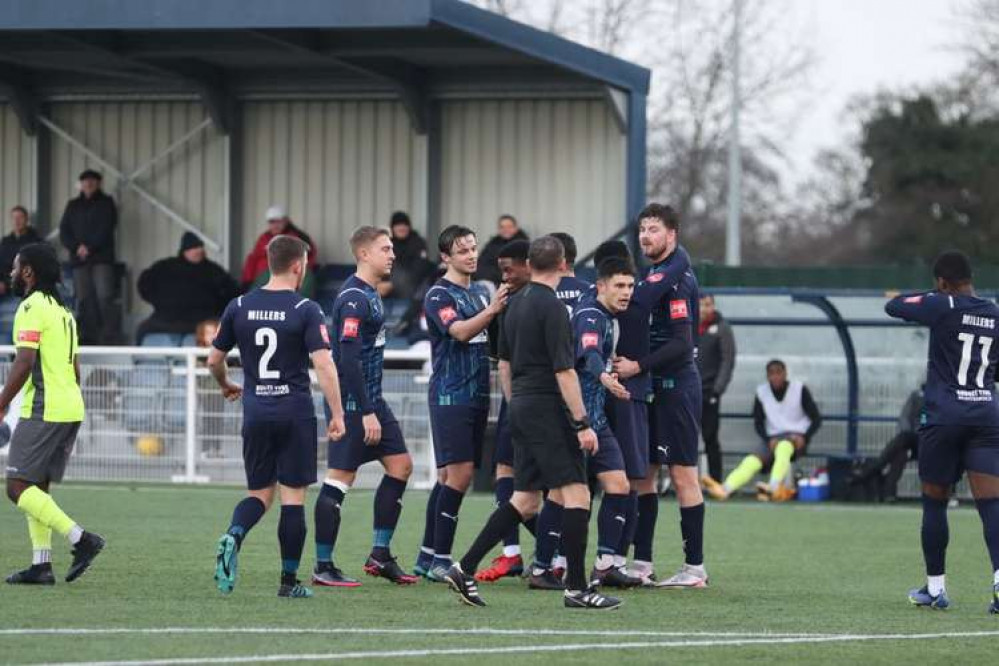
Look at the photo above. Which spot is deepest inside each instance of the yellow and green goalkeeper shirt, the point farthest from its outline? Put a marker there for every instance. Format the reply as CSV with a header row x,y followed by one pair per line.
x,y
51,392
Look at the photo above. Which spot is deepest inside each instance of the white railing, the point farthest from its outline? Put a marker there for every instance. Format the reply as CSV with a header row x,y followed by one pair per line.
x,y
155,414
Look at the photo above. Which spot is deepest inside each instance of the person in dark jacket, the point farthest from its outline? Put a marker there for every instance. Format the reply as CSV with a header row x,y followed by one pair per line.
x,y
716,360
184,290
87,232
22,233
904,446
411,268
507,230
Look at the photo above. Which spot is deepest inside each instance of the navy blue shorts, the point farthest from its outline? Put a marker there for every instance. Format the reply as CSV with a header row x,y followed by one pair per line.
x,y
629,420
458,431
608,458
503,451
351,452
946,451
675,427
280,452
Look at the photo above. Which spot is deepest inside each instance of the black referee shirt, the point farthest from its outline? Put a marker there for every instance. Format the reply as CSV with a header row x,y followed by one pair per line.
x,y
536,339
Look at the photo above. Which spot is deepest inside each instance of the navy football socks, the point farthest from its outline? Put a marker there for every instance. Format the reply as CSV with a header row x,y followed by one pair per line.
x,y
645,526
246,514
448,506
610,523
549,533
935,535
291,536
988,510
692,531
427,545
388,506
504,491
327,515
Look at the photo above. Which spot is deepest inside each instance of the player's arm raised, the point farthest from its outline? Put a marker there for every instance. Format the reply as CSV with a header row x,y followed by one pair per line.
x,y
466,329
922,307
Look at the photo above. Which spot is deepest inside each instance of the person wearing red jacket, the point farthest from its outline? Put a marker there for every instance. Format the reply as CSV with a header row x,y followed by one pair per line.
x,y
278,224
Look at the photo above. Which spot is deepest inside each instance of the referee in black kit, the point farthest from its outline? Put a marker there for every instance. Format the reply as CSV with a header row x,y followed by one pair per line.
x,y
549,425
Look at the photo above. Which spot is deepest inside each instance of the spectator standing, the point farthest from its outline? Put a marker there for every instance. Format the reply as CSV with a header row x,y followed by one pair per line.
x,y
87,232
184,290
507,229
716,357
255,271
411,268
22,234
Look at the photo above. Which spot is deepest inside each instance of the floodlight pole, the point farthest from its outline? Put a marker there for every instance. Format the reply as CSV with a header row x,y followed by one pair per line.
x,y
733,233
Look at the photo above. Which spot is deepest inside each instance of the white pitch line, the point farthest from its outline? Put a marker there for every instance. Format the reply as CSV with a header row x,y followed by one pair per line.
x,y
528,649
111,631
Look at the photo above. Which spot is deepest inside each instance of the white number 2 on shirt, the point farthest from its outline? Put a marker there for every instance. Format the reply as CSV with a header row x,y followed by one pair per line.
x,y
968,343
268,337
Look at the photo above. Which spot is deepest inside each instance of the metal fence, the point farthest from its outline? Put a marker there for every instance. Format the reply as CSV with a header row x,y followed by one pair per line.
x,y
156,415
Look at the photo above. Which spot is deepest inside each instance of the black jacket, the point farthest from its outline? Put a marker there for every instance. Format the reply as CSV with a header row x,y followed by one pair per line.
x,y
716,356
10,246
488,270
90,222
183,294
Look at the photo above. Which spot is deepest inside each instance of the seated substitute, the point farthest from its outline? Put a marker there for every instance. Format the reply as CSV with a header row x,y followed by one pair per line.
x,y
786,418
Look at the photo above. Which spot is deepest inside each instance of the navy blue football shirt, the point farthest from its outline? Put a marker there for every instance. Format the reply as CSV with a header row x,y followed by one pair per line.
x,y
593,331
961,372
358,323
275,332
674,306
570,289
460,374
635,337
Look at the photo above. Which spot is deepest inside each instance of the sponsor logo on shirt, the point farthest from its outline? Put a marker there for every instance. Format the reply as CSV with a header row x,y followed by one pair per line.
x,y
325,333
447,315
914,300
655,277
590,340
351,327
29,336
678,309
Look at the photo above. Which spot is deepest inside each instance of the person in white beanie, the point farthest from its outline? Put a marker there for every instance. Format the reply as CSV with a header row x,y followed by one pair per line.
x,y
278,224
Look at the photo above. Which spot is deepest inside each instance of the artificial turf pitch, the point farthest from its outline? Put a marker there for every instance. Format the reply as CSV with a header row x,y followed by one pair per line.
x,y
793,583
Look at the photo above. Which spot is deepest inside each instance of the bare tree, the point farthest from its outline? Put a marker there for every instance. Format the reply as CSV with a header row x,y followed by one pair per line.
x,y
686,44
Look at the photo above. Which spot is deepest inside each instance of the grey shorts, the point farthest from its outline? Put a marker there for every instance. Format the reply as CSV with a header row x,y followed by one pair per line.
x,y
39,450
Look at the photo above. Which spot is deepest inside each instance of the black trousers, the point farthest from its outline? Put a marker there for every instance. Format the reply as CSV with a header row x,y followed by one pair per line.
x,y
710,423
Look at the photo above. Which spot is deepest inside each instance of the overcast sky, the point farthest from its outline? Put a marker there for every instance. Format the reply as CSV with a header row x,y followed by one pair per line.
x,y
864,45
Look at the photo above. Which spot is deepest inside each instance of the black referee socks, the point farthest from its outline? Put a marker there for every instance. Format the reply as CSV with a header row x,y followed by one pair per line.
x,y
575,523
500,522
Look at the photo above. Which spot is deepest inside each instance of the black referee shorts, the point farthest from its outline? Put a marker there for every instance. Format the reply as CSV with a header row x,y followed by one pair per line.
x,y
546,453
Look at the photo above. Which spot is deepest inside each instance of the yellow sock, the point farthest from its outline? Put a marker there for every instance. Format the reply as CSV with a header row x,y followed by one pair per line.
x,y
39,505
744,473
41,536
783,453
